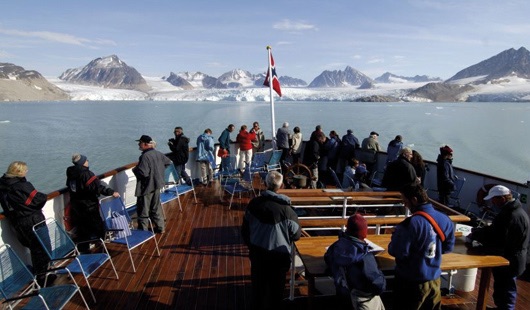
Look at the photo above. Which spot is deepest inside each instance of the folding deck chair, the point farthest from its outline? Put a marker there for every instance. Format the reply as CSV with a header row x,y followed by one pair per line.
x,y
239,186
112,205
18,284
175,187
63,251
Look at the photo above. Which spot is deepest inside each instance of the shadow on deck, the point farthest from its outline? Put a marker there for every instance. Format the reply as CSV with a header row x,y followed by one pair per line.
x,y
203,265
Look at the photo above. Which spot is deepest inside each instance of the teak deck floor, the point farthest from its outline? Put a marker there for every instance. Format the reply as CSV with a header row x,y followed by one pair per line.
x,y
203,265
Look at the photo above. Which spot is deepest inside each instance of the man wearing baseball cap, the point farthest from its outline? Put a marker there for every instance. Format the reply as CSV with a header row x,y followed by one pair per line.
x,y
508,236
150,179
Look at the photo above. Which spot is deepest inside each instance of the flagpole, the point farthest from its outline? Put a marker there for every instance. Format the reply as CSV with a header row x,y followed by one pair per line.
x,y
271,99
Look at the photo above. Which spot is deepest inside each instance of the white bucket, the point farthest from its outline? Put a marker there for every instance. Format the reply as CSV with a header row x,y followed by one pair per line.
x,y
464,280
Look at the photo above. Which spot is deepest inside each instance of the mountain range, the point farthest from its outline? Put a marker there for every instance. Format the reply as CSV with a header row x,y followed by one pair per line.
x,y
503,77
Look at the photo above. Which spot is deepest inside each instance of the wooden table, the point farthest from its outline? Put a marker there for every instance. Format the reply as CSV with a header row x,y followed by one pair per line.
x,y
312,250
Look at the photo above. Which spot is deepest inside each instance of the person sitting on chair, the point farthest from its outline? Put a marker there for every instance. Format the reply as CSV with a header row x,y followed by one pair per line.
x,y
358,280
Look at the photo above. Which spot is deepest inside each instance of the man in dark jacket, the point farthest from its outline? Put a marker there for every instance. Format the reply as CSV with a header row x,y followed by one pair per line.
x,y
180,153
445,174
22,205
394,148
269,228
400,172
508,236
312,156
150,173
85,188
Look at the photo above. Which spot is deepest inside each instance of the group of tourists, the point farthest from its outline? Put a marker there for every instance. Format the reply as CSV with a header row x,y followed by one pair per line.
x,y
270,224
417,243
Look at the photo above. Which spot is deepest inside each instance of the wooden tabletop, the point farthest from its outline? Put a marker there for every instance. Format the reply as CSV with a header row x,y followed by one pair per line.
x,y
312,250
334,196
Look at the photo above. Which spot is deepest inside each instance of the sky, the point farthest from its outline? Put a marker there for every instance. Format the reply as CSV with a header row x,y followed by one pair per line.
x,y
418,37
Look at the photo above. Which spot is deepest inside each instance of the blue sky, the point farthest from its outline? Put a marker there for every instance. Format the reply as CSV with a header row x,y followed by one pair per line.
x,y
436,38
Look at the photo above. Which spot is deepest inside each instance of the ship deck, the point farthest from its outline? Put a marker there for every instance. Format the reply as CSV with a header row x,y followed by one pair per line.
x,y
204,265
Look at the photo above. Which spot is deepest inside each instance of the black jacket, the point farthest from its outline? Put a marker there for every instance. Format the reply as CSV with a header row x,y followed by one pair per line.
x,y
508,236
22,198
180,151
398,174
312,153
84,185
445,175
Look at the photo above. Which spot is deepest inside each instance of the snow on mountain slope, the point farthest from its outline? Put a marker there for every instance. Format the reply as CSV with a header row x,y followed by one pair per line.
x,y
507,89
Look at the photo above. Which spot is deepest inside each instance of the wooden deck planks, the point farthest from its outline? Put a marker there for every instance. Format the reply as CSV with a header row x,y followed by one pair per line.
x,y
203,265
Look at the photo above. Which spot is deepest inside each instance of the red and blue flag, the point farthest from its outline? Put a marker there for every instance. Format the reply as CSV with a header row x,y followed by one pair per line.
x,y
275,81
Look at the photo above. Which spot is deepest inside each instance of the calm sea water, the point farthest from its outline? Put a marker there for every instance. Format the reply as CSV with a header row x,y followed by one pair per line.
x,y
487,137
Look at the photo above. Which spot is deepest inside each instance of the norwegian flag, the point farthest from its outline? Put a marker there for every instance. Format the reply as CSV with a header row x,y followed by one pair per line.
x,y
275,82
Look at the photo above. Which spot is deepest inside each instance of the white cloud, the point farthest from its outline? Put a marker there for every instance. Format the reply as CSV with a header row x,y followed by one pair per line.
x,y
4,54
56,37
289,25
376,60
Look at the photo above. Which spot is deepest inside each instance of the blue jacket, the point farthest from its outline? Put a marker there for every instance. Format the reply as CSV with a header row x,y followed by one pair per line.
x,y
205,148
360,267
418,249
224,140
393,149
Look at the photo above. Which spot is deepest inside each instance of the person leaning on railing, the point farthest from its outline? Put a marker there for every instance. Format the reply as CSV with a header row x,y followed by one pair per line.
x,y
22,205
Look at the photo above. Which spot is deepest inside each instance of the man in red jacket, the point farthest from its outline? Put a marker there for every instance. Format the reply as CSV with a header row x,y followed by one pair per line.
x,y
244,138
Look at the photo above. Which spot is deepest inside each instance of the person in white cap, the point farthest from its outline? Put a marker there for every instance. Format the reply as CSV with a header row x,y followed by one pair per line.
x,y
508,236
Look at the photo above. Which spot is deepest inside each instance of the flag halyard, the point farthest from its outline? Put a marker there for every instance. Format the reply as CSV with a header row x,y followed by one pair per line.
x,y
275,81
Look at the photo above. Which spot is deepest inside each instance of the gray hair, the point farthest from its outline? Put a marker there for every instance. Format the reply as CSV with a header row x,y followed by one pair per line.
x,y
274,181
404,150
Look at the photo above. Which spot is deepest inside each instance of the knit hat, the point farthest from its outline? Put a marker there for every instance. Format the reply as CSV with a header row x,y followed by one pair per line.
x,y
79,159
357,226
497,190
444,150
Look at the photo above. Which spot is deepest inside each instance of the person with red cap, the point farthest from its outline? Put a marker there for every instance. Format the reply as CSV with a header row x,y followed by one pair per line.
x,y
508,235
358,280
445,174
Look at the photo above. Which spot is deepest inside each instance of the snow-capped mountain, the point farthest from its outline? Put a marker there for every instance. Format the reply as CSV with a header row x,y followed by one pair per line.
x,y
388,77
199,80
504,77
510,62
238,78
338,78
108,72
18,84
178,81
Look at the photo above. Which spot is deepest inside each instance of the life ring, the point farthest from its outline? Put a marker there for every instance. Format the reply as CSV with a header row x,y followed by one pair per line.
x,y
483,192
